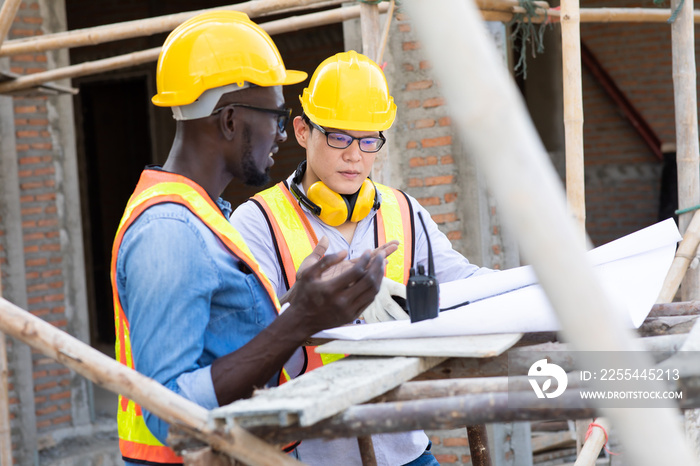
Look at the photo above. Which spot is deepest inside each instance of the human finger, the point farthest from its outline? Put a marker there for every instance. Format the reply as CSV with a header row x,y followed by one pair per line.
x,y
315,256
389,247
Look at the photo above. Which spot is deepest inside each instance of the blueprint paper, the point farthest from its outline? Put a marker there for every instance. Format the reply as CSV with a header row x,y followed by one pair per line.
x,y
631,270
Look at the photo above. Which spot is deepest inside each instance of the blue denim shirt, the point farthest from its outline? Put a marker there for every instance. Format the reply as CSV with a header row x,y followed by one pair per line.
x,y
187,302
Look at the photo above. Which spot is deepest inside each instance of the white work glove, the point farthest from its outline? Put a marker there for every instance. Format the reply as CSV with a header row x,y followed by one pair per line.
x,y
384,308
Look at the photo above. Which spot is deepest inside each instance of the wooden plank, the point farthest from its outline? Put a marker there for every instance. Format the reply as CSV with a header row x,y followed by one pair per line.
x,y
324,392
472,346
432,414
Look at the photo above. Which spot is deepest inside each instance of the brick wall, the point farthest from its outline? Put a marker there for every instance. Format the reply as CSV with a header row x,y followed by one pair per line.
x,y
40,227
427,152
451,447
432,164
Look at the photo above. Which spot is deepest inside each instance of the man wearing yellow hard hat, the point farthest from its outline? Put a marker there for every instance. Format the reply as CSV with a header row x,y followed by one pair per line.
x,y
193,310
346,109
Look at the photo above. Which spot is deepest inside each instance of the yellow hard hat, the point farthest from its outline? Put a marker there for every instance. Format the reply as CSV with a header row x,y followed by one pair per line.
x,y
349,91
217,49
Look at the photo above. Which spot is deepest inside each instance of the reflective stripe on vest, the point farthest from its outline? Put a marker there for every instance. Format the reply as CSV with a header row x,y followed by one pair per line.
x,y
294,239
155,187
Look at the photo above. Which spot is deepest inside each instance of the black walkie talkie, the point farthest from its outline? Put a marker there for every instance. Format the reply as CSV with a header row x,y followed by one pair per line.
x,y
422,290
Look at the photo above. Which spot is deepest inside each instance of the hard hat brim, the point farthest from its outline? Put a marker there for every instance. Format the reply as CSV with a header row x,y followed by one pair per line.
x,y
294,77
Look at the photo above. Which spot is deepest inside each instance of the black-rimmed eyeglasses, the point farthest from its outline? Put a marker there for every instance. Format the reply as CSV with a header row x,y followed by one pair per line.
x,y
283,115
342,140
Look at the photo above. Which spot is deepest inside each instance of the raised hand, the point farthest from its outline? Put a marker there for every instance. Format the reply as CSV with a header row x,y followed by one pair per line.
x,y
320,249
320,302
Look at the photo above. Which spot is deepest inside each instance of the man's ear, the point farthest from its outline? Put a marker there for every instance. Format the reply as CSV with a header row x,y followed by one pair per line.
x,y
301,131
227,122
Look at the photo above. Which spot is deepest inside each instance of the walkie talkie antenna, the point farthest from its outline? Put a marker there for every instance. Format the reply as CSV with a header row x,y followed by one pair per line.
x,y
431,267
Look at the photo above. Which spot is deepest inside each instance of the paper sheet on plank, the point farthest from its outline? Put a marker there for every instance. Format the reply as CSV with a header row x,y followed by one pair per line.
x,y
631,269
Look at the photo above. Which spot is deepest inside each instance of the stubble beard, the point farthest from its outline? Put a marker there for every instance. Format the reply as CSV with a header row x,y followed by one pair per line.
x,y
252,175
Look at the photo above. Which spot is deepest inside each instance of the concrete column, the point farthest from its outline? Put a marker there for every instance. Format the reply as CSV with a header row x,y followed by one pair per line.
x,y
61,121
14,287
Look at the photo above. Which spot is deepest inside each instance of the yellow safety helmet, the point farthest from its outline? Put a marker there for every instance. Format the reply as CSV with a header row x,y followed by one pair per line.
x,y
349,91
216,49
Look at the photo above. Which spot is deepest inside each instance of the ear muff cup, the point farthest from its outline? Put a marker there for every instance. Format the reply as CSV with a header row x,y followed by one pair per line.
x,y
337,209
364,202
334,207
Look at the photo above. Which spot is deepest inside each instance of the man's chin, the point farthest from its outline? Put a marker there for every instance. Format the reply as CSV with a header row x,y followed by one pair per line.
x,y
259,179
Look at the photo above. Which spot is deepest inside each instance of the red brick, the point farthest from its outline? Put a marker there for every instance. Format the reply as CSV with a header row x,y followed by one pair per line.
x,y
455,442
27,134
31,210
38,287
31,185
51,222
405,27
450,197
454,235
47,410
33,236
415,182
34,300
411,145
424,123
444,218
446,459
23,58
427,201
438,180
61,420
408,67
54,297
438,141
445,121
422,161
45,386
60,396
434,102
411,45
32,20
425,65
413,104
42,424
29,160
419,85
36,262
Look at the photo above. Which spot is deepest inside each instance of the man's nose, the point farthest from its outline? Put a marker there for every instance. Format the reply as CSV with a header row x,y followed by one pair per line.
x,y
352,152
281,135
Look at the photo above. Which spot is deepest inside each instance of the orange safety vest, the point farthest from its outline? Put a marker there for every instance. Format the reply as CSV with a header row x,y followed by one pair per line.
x,y
294,239
155,187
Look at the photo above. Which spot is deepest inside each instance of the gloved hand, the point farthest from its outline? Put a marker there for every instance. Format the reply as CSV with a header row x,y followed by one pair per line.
x,y
384,307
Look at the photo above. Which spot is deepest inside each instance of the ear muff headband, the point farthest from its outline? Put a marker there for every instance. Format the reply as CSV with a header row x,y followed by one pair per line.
x,y
332,208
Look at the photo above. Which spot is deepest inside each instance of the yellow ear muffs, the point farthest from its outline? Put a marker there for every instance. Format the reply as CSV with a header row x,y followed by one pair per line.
x,y
364,202
334,207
